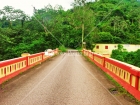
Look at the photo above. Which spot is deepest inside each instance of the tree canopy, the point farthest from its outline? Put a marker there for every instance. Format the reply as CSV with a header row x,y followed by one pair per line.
x,y
101,21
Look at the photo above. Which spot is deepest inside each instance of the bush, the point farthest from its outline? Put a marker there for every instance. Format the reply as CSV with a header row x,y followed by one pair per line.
x,y
79,49
62,48
121,54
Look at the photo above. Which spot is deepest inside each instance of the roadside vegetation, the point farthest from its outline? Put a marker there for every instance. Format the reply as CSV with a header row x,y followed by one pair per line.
x,y
123,55
117,89
101,21
62,48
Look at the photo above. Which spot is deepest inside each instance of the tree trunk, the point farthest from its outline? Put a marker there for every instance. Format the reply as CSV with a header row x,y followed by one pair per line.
x,y
10,24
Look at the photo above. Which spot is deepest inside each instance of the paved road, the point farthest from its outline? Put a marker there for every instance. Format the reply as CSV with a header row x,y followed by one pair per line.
x,y
68,79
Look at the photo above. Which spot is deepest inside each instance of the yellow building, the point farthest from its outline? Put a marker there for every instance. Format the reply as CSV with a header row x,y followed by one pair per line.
x,y
106,49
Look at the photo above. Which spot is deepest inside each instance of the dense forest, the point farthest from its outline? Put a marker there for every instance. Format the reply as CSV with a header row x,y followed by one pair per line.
x,y
101,21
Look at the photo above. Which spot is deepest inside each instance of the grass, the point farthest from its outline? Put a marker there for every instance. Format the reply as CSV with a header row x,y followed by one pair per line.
x,y
118,87
121,90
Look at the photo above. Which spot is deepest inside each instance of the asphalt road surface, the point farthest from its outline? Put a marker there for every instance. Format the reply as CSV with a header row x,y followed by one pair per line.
x,y
67,79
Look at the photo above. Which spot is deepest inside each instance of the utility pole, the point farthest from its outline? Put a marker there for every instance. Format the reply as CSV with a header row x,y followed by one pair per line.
x,y
83,28
82,33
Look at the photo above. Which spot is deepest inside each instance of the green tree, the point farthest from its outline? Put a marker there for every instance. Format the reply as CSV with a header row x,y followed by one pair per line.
x,y
10,14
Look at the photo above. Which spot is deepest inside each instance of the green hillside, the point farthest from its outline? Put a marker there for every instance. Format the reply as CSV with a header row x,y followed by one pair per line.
x,y
103,21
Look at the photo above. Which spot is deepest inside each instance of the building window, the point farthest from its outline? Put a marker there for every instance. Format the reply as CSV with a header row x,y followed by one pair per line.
x,y
106,47
97,47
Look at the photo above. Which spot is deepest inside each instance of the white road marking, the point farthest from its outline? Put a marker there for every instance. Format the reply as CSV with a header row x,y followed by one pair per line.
x,y
98,81
40,81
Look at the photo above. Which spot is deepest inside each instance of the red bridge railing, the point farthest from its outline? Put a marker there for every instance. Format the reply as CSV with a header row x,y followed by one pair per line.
x,y
11,68
125,74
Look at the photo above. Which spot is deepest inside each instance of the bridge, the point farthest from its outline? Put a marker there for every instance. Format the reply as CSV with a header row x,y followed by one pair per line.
x,y
66,79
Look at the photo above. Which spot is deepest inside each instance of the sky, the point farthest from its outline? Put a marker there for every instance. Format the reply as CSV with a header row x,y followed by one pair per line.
x,y
27,5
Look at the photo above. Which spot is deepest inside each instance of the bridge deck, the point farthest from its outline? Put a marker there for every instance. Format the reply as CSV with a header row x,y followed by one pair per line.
x,y
68,79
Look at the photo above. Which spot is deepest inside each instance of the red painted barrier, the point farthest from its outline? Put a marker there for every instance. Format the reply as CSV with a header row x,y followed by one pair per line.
x,y
11,68
99,60
125,74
